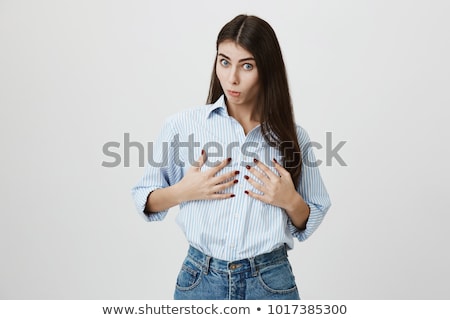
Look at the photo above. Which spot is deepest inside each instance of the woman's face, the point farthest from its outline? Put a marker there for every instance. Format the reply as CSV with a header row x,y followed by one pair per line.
x,y
237,73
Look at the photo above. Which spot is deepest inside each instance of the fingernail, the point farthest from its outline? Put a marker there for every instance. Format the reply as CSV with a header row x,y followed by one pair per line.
x,y
232,196
248,167
255,160
246,177
237,172
235,181
229,159
275,160
203,152
246,192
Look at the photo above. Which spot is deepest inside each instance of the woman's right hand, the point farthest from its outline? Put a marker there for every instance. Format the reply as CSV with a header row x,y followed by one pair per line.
x,y
204,185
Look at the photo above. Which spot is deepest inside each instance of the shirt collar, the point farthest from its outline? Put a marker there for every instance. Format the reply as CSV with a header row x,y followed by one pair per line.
x,y
218,107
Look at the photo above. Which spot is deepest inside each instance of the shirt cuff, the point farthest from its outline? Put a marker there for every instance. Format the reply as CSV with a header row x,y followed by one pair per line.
x,y
140,199
314,220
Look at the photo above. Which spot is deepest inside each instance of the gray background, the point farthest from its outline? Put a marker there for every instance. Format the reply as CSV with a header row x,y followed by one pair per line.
x,y
75,75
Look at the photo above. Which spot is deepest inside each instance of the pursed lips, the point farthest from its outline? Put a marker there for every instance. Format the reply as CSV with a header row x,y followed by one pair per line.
x,y
233,93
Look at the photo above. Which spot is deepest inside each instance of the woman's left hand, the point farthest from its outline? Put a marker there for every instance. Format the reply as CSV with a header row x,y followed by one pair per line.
x,y
277,190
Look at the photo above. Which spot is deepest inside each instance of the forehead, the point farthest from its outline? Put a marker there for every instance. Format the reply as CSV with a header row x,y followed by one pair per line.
x,y
233,50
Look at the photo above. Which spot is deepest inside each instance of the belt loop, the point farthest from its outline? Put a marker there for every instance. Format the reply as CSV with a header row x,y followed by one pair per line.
x,y
253,267
206,264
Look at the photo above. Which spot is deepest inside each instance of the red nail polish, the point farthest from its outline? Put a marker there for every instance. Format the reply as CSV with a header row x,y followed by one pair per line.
x,y
235,181
255,160
236,172
246,192
229,159
203,152
233,195
246,177
248,167
275,160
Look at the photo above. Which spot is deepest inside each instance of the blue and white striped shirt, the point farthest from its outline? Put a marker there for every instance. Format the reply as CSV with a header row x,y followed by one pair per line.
x,y
238,227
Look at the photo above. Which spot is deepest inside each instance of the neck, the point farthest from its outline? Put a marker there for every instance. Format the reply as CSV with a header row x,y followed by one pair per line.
x,y
247,115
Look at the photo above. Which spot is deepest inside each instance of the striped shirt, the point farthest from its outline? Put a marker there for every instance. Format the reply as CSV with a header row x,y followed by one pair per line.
x,y
238,227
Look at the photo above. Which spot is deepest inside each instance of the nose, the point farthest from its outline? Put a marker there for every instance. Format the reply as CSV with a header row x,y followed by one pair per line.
x,y
233,76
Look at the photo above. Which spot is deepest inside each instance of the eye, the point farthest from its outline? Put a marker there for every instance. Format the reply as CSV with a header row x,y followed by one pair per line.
x,y
247,66
224,62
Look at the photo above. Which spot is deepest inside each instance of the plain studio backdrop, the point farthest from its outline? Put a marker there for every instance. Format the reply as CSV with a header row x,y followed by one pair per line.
x,y
372,76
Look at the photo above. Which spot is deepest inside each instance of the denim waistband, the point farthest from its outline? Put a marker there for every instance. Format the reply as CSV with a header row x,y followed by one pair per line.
x,y
244,265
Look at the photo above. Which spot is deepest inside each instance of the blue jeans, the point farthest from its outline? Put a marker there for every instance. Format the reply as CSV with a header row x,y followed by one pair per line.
x,y
268,277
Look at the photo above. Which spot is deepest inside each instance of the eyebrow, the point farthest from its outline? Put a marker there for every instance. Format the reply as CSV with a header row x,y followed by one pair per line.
x,y
242,60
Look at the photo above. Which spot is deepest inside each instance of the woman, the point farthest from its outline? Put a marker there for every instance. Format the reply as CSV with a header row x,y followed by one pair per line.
x,y
254,186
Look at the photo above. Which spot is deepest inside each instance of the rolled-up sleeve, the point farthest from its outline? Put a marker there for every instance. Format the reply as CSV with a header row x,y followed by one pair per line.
x,y
311,188
161,171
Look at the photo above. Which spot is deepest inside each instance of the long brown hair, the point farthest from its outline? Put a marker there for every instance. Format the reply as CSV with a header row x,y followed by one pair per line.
x,y
277,116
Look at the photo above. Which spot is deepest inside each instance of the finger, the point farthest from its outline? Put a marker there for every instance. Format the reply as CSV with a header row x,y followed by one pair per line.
x,y
265,169
281,170
201,160
223,186
221,196
224,177
255,195
221,165
256,185
259,175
